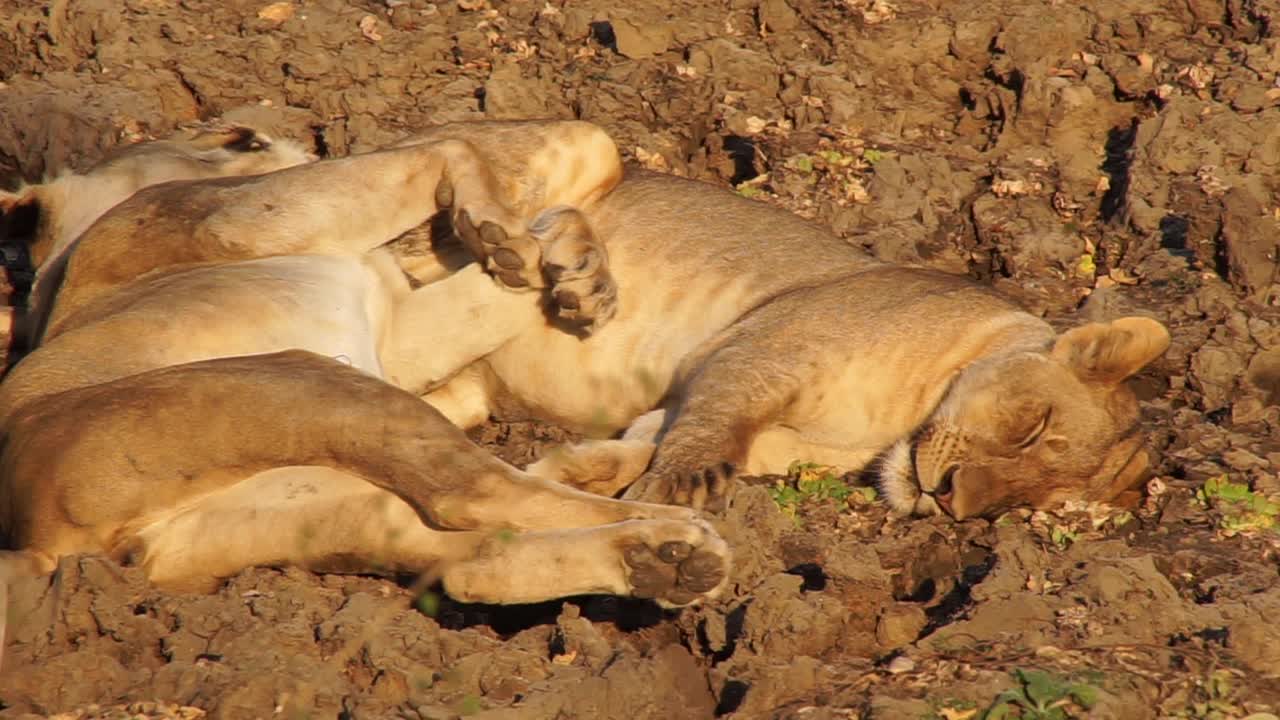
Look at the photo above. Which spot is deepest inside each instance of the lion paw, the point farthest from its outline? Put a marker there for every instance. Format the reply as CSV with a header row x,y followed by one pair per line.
x,y
703,488
576,266
585,298
514,259
493,236
676,564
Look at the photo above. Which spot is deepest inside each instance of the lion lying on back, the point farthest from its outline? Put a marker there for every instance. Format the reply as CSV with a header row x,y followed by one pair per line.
x,y
207,390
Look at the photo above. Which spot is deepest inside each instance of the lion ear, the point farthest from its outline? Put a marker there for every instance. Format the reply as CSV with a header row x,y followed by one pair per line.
x,y
1110,352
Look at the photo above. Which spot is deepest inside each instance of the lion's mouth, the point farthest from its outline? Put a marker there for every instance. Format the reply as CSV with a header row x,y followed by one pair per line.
x,y
938,500
900,481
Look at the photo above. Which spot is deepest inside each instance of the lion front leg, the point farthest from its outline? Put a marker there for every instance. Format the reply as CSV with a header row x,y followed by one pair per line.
x,y
734,394
604,467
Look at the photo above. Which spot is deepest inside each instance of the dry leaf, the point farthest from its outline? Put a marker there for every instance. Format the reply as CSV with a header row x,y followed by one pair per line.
x,y
1122,276
954,714
277,12
369,28
650,160
1006,188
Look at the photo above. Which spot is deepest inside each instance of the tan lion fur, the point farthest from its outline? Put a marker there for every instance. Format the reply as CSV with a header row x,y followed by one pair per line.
x,y
760,339
209,390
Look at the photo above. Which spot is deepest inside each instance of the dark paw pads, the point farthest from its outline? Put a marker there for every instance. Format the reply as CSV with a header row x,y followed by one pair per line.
x,y
586,306
675,574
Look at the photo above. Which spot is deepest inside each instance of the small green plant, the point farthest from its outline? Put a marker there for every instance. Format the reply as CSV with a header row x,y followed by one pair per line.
x,y
1242,509
1062,537
748,191
1087,268
807,482
835,158
469,705
872,156
801,162
1042,696
428,603
1213,699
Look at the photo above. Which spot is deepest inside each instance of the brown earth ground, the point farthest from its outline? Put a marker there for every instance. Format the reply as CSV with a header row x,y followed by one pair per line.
x,y
1094,158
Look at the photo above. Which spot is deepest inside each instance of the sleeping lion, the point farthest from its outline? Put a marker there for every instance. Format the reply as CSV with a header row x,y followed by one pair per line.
x,y
746,338
715,334
209,391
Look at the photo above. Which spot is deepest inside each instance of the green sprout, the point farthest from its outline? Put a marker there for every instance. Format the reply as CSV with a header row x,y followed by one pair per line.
x,y
428,603
1243,510
806,482
1041,696
803,163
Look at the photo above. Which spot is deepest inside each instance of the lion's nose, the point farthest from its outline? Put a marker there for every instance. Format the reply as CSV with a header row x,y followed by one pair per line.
x,y
945,491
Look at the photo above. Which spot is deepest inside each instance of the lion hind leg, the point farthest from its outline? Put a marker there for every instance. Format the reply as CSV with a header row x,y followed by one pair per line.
x,y
211,424
314,518
673,562
323,520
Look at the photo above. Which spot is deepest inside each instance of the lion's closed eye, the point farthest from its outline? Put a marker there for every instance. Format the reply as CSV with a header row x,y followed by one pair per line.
x,y
1029,437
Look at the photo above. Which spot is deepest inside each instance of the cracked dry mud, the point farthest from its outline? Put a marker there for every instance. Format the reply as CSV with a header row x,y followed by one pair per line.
x,y
1092,158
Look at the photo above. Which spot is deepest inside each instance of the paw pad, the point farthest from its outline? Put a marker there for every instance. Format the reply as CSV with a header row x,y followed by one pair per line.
x,y
676,573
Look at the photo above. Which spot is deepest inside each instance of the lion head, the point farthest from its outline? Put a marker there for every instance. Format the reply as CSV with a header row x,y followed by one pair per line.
x,y
1032,429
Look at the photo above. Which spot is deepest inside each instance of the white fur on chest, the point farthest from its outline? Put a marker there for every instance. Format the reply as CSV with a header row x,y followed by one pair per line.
x,y
328,305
